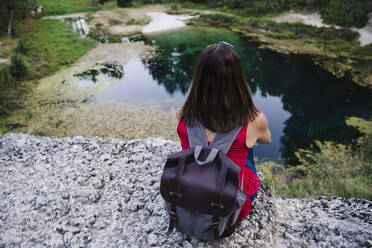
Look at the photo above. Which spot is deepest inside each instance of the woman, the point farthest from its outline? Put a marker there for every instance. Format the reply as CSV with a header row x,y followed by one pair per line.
x,y
220,100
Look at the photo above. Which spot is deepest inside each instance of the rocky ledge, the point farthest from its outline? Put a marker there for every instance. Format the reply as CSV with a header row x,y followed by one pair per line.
x,y
78,192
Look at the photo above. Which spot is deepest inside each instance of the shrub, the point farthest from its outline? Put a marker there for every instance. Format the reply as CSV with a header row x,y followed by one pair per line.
x,y
346,13
219,19
102,1
5,86
18,67
334,169
23,47
38,133
124,3
3,128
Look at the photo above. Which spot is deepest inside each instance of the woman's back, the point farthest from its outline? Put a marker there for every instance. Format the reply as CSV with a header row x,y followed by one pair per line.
x,y
220,100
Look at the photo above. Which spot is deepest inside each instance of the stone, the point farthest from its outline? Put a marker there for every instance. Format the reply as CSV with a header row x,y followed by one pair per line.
x,y
78,192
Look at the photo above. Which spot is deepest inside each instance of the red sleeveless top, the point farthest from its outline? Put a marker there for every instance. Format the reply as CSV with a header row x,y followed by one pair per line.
x,y
238,153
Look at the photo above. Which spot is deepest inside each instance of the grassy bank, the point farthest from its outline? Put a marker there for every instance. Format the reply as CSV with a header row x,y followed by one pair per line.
x,y
336,170
52,7
53,45
43,46
344,13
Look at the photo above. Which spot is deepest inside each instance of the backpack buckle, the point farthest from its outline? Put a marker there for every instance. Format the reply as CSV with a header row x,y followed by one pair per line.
x,y
176,194
215,224
217,205
172,215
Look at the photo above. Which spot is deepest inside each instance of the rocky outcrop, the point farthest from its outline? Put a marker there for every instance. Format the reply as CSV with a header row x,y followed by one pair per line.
x,y
78,192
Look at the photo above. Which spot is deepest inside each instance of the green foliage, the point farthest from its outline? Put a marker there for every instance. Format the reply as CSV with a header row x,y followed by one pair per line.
x,y
59,123
38,133
6,83
256,7
29,114
175,7
348,49
54,45
304,31
346,13
341,12
335,169
52,7
218,19
131,21
124,3
3,129
280,30
364,143
102,1
18,67
22,47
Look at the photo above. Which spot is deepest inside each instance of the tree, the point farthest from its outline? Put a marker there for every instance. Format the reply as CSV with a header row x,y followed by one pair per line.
x,y
124,3
16,9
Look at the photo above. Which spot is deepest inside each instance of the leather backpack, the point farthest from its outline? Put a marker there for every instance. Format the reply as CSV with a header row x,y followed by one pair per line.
x,y
200,187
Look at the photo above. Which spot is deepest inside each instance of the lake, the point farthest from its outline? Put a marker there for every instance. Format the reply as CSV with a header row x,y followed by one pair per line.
x,y
302,101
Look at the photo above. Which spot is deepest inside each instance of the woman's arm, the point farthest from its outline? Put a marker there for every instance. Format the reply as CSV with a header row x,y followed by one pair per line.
x,y
264,135
258,130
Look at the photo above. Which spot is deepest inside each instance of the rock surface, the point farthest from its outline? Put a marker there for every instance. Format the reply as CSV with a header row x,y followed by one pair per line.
x,y
78,192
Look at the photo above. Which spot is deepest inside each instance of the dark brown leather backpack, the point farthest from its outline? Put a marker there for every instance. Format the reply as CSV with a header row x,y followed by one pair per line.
x,y
200,187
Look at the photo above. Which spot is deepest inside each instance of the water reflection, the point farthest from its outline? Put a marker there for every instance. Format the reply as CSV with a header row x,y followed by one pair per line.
x,y
302,102
172,71
99,74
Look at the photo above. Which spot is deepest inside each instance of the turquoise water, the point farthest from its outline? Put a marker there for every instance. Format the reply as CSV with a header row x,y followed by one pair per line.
x,y
301,101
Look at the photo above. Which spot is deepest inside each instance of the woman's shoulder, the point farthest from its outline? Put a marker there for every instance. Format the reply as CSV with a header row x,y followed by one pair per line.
x,y
260,121
179,113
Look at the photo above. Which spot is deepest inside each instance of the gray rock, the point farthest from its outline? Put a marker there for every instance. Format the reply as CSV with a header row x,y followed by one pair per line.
x,y
78,192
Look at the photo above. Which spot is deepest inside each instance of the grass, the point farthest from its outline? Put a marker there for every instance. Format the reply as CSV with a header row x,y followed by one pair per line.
x,y
336,170
53,45
106,120
62,7
7,46
3,129
242,12
133,21
290,30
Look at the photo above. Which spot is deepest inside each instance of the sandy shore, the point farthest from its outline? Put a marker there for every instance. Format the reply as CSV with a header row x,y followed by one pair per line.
x,y
162,22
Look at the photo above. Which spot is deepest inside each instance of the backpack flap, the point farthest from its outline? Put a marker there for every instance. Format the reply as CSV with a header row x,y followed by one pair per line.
x,y
210,188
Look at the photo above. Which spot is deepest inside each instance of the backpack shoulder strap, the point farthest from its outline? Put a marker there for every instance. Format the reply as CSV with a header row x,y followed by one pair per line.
x,y
196,135
221,141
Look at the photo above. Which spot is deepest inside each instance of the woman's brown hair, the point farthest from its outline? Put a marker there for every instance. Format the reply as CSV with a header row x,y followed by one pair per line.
x,y
219,96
